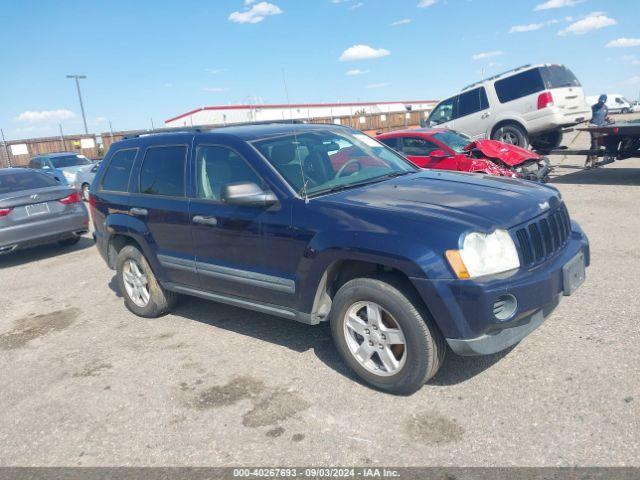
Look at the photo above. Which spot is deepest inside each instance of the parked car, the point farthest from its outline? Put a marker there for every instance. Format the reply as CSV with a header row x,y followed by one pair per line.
x,y
449,150
400,261
35,209
83,180
63,166
616,103
635,107
527,105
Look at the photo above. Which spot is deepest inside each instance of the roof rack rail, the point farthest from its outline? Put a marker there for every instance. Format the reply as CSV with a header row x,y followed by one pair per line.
x,y
513,70
202,128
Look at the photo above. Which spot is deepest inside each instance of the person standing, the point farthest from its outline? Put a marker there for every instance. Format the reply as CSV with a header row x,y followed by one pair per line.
x,y
599,117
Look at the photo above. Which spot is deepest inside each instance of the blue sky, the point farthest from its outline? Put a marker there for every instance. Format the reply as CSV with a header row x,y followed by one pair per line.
x,y
155,59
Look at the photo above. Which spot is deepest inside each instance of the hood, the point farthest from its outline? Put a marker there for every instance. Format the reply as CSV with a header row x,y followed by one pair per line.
x,y
76,168
512,155
483,201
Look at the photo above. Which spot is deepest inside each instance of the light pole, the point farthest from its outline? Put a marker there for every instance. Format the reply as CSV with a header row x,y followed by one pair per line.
x,y
84,118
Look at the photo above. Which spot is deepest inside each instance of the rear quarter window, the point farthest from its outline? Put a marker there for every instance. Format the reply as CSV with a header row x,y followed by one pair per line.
x,y
116,177
519,85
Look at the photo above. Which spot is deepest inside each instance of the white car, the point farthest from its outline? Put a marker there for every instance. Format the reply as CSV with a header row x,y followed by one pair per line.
x,y
527,105
635,107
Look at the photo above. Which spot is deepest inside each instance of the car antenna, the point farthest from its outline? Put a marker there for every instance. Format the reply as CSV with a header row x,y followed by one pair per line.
x,y
295,137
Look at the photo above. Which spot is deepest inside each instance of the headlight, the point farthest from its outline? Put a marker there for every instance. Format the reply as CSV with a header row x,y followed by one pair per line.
x,y
484,254
68,175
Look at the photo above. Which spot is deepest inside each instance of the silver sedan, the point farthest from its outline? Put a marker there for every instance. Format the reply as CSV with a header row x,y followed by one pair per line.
x,y
35,209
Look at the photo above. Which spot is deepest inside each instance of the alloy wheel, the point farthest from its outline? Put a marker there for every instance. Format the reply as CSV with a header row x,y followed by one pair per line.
x,y
135,283
375,338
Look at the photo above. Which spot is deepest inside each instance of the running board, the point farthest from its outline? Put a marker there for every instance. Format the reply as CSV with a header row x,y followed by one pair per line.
x,y
267,308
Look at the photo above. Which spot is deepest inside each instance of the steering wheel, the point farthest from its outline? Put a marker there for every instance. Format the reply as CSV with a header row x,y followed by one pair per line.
x,y
353,161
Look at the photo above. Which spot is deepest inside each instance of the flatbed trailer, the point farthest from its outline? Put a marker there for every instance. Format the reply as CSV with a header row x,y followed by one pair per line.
x,y
618,141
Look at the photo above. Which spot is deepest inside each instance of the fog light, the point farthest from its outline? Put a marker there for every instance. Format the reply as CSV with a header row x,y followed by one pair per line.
x,y
505,307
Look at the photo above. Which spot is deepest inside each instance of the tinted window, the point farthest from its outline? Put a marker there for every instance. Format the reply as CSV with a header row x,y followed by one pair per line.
x,y
163,171
558,76
17,181
69,161
519,85
116,178
392,143
472,102
418,146
219,166
443,112
35,163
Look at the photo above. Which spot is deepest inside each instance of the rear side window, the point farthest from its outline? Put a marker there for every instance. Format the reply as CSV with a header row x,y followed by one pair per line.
x,y
163,171
472,102
519,85
19,181
116,178
392,143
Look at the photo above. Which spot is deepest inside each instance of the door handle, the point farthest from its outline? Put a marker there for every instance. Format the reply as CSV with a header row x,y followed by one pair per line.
x,y
202,220
486,114
139,212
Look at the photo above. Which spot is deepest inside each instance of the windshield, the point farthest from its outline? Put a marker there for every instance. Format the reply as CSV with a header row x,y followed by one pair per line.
x,y
69,161
558,76
18,181
454,140
316,162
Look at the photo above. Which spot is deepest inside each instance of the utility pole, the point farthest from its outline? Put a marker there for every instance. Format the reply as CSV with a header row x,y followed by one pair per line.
x,y
152,127
84,118
6,149
64,146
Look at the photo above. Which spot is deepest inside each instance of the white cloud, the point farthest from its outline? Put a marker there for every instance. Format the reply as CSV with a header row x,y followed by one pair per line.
x,y
557,4
624,42
363,52
404,21
378,85
249,2
355,72
215,71
45,116
484,55
593,21
214,89
526,28
426,3
357,5
257,13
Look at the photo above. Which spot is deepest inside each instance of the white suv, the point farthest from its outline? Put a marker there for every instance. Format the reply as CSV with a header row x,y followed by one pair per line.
x,y
527,105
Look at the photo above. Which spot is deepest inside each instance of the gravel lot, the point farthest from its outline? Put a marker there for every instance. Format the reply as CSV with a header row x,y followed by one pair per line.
x,y
84,382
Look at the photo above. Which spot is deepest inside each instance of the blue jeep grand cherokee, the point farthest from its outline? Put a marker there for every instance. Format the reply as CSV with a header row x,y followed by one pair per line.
x,y
322,223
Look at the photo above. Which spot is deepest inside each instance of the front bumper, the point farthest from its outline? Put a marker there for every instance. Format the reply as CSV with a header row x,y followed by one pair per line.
x,y
463,309
45,231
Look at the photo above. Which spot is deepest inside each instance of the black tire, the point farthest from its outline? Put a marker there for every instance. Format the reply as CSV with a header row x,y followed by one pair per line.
x,y
160,302
512,132
625,110
547,141
69,242
425,345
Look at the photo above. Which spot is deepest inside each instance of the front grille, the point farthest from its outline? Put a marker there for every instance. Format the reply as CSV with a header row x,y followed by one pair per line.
x,y
543,237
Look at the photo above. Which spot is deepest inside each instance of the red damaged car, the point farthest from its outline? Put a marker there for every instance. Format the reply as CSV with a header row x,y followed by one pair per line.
x,y
450,150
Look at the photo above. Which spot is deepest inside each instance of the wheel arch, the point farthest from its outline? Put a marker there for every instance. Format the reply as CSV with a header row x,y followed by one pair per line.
x,y
508,121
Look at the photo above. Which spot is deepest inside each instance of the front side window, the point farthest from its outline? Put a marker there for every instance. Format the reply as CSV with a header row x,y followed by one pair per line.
x,y
316,162
163,171
519,85
419,147
19,181
472,102
217,166
394,143
116,178
69,161
443,112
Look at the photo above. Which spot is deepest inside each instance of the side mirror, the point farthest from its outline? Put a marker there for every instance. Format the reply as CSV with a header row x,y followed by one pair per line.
x,y
438,154
246,194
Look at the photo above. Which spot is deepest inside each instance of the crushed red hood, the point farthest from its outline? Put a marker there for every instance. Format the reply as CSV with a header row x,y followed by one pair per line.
x,y
512,155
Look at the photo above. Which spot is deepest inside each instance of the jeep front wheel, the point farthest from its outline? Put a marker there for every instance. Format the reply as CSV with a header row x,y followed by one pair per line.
x,y
385,335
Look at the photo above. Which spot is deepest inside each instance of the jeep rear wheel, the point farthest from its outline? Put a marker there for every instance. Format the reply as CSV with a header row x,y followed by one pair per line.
x,y
385,335
142,293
